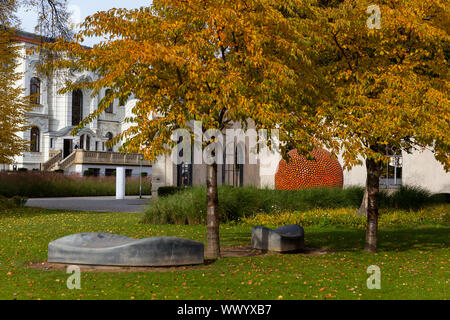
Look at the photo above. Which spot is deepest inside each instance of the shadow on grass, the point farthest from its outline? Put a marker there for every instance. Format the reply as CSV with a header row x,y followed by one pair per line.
x,y
426,238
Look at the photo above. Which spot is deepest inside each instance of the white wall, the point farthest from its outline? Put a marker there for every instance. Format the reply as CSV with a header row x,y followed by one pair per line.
x,y
422,169
419,169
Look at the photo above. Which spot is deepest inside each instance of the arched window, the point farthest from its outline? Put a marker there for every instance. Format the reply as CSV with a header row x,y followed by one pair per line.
x,y
77,107
35,90
35,139
110,107
109,136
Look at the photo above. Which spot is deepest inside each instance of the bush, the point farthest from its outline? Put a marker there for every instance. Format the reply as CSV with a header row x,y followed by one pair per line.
x,y
14,202
169,190
48,184
189,206
409,198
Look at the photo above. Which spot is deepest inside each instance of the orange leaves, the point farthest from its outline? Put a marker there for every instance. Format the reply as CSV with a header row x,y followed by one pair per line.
x,y
215,61
390,83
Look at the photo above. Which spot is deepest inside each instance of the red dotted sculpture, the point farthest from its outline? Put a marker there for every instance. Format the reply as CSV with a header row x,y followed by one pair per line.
x,y
324,170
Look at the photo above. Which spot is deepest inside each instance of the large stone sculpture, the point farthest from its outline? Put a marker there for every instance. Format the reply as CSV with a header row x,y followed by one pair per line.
x,y
284,239
114,250
323,170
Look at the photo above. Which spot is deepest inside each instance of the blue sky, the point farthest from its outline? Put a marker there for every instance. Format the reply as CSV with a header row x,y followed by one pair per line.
x,y
81,9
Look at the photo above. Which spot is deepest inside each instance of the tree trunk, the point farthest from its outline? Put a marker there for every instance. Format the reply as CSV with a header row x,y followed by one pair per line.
x,y
373,188
364,204
212,212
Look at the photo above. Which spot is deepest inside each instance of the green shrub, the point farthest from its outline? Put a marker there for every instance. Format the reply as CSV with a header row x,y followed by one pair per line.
x,y
189,206
440,198
14,202
409,198
169,190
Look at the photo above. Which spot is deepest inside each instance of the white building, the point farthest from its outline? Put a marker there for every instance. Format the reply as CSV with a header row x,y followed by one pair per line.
x,y
52,121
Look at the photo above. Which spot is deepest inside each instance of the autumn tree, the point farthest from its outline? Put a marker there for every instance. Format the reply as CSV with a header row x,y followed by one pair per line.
x,y
218,62
13,105
388,66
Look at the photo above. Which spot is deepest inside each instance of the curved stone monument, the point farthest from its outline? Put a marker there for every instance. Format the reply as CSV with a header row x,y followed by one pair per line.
x,y
114,250
284,239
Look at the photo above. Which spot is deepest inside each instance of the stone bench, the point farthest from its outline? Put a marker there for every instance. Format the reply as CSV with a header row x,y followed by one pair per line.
x,y
114,250
284,239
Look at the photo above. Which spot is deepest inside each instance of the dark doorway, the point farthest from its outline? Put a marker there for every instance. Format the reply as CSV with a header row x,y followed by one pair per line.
x,y
184,175
184,170
67,147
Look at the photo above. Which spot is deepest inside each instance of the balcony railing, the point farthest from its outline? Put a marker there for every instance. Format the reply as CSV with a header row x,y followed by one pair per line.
x,y
102,158
114,158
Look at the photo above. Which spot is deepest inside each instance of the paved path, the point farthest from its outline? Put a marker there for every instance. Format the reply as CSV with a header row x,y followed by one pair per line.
x,y
97,204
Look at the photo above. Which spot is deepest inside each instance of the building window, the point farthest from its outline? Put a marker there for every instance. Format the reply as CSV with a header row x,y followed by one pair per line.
x,y
128,172
52,143
35,139
109,136
35,90
95,171
88,142
77,107
109,109
110,172
391,176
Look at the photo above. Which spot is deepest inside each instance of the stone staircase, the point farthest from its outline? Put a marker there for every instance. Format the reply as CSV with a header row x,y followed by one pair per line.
x,y
67,162
52,163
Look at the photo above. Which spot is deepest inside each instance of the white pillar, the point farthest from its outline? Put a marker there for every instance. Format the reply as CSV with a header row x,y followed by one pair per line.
x,y
120,183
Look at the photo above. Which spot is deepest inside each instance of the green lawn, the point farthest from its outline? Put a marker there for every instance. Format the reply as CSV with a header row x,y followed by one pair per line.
x,y
414,263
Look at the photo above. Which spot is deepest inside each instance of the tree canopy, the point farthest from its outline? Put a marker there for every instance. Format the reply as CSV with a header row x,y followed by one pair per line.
x,y
219,62
12,102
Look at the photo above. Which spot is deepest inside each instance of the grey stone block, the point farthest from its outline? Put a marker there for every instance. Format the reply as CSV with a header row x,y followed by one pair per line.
x,y
284,239
114,250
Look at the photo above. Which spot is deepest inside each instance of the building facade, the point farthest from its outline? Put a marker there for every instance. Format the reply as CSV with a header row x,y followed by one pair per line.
x,y
52,145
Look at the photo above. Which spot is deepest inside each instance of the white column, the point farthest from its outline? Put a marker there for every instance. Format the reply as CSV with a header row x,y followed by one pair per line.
x,y
120,183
